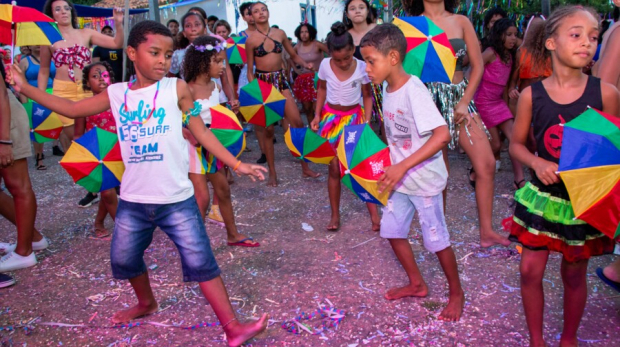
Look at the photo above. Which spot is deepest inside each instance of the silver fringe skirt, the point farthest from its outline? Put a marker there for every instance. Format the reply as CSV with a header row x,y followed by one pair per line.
x,y
446,96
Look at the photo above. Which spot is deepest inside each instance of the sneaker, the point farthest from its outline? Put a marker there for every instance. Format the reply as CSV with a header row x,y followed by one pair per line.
x,y
88,200
262,159
57,151
215,215
6,281
13,261
40,245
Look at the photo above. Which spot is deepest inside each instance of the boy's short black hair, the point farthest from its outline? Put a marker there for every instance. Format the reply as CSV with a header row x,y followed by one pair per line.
x,y
138,33
172,21
107,27
384,38
212,18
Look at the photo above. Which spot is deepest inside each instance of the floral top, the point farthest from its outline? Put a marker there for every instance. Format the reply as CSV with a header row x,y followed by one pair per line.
x,y
104,120
72,56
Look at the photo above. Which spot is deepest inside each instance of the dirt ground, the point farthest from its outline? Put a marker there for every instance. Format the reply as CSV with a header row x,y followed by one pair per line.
x,y
293,271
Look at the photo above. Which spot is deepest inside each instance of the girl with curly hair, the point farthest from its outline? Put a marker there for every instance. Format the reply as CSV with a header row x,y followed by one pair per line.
x,y
455,102
204,62
498,59
97,77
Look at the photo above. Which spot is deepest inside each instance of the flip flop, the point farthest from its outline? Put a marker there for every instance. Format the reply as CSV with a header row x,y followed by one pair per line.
x,y
242,243
601,275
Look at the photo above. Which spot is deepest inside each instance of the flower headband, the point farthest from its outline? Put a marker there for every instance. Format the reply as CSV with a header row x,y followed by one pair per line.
x,y
218,48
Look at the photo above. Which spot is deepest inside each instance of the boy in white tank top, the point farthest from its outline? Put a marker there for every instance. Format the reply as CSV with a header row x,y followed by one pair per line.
x,y
156,191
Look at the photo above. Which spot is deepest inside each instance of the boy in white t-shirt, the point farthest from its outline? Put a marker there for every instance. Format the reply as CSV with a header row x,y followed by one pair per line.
x,y
416,133
155,190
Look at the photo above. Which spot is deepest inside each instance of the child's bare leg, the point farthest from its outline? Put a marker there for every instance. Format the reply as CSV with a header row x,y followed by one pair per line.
x,y
374,216
453,311
268,134
482,160
575,295
221,190
517,167
416,286
7,210
334,191
532,268
291,112
236,332
612,271
146,300
102,212
444,152
201,192
110,202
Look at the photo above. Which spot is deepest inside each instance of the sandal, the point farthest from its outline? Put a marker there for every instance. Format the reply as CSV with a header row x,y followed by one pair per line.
x,y
38,165
518,184
101,233
472,183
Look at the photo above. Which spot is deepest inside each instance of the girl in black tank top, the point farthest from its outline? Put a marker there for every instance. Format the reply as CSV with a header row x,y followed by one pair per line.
x,y
544,219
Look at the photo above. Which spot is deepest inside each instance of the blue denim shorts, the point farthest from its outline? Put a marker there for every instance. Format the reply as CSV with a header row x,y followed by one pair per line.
x,y
398,215
181,221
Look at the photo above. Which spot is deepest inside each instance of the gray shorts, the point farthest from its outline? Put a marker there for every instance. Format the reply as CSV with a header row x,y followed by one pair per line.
x,y
20,129
398,215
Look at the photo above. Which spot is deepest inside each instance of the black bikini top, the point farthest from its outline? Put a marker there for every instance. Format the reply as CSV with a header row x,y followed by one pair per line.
x,y
260,50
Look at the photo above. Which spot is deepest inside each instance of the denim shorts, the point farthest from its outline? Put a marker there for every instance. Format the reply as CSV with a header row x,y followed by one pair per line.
x,y
398,215
181,221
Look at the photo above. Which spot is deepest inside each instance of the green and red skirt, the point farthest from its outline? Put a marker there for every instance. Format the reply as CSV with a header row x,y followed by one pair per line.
x,y
544,220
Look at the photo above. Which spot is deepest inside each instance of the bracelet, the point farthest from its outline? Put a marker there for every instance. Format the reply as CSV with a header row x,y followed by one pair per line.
x,y
237,165
230,321
5,142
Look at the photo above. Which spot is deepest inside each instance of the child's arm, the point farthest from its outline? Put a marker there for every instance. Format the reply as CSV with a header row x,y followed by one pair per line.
x,y
545,170
488,56
394,173
321,95
249,58
206,138
70,109
513,92
367,97
609,69
611,99
227,84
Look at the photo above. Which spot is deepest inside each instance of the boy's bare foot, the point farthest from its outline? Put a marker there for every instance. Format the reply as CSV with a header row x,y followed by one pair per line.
x,y
136,311
453,311
309,173
420,290
238,333
492,238
272,181
334,224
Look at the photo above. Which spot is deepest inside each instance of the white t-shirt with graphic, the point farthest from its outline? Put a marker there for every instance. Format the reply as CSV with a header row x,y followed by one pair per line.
x,y
410,115
344,93
154,153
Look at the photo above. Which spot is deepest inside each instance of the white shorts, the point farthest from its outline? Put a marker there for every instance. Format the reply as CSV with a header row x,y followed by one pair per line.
x,y
399,212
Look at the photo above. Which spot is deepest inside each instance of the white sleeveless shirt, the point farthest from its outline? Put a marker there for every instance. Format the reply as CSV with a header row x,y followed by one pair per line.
x,y
154,153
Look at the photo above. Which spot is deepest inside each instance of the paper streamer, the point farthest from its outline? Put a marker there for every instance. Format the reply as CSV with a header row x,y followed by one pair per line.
x,y
331,317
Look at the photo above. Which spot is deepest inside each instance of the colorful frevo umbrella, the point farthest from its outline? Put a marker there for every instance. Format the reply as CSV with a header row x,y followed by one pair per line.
x,y
226,127
306,145
235,50
590,168
362,156
45,125
94,160
429,53
31,27
261,103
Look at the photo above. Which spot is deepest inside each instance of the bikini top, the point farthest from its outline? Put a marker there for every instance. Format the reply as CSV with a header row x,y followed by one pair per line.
x,y
77,55
260,50
460,51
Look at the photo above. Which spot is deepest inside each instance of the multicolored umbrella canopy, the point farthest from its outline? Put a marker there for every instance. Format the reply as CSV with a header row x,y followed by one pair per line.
x,y
362,156
94,160
32,28
429,53
236,49
45,125
226,127
261,103
305,144
590,168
